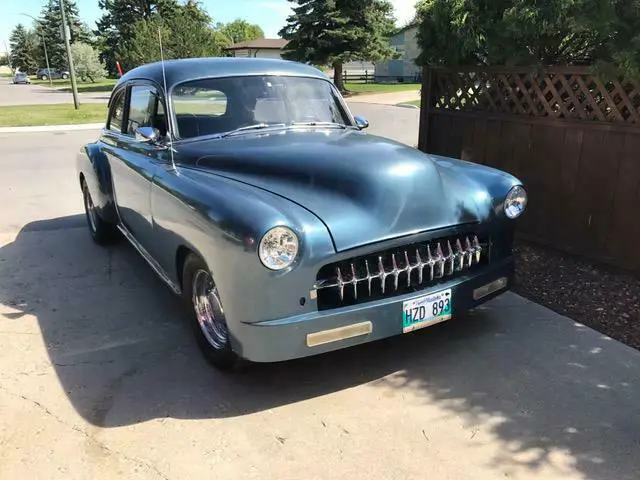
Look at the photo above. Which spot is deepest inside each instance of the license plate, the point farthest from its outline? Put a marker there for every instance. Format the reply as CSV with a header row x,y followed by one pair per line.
x,y
426,310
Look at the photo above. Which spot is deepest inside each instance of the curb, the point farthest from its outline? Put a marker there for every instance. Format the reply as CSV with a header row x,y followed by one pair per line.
x,y
52,128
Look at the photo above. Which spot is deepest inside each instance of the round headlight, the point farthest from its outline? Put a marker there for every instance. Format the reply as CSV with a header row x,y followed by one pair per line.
x,y
278,248
516,202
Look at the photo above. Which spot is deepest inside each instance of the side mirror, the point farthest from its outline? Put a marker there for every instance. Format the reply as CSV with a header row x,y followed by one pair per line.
x,y
147,134
361,122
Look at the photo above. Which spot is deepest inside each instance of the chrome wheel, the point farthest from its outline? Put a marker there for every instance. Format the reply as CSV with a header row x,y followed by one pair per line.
x,y
92,215
208,309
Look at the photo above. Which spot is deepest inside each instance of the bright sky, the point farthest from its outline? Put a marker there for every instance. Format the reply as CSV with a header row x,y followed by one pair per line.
x,y
269,14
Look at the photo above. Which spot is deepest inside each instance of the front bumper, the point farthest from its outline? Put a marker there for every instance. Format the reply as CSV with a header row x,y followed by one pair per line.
x,y
286,339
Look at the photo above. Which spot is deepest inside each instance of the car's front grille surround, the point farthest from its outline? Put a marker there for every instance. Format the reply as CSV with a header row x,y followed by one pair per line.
x,y
399,270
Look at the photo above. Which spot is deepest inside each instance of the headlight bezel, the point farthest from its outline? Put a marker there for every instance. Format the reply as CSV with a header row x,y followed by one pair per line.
x,y
515,202
263,254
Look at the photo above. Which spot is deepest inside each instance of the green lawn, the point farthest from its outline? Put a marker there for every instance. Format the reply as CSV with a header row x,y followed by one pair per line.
x,y
412,102
62,114
83,87
381,87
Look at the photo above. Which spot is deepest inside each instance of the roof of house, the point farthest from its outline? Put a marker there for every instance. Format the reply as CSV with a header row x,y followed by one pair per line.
x,y
260,43
409,26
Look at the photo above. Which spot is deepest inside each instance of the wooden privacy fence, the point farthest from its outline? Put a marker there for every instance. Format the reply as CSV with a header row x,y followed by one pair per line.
x,y
573,139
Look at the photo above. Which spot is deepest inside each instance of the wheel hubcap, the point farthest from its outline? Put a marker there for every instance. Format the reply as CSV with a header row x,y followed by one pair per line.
x,y
91,210
208,308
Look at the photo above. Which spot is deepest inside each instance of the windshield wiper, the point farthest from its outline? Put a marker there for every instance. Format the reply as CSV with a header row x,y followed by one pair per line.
x,y
257,126
320,124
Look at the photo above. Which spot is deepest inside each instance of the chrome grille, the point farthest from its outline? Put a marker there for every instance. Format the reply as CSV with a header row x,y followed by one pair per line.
x,y
397,271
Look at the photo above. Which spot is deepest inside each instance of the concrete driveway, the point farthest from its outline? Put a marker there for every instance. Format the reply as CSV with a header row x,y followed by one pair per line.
x,y
100,377
11,94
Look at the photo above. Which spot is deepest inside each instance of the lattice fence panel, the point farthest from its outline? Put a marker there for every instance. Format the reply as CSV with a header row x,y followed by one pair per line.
x,y
570,95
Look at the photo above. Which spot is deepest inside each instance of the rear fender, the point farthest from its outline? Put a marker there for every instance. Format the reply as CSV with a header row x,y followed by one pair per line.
x,y
93,166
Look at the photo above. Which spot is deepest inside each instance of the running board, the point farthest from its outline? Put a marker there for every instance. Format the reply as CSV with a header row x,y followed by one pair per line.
x,y
150,260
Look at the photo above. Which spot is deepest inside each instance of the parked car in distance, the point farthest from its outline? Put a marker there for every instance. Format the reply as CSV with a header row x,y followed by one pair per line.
x,y
21,77
53,73
254,193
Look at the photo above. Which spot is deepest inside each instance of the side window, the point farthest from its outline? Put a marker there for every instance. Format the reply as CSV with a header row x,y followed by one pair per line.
x,y
145,110
117,113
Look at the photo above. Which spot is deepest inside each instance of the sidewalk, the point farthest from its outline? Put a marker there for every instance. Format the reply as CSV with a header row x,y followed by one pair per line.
x,y
387,98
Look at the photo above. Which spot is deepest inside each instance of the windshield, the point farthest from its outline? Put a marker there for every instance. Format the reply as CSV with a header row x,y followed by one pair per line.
x,y
221,105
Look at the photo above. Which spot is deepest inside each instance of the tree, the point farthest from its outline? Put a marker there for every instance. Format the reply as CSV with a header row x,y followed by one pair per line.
x,y
23,45
530,32
240,31
337,31
86,62
185,34
4,59
119,24
49,27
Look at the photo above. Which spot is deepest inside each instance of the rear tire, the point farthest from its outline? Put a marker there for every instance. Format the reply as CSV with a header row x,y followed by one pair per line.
x,y
102,232
43,77
65,76
207,316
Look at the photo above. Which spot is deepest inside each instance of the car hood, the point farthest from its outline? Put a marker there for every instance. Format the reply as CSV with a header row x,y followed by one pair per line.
x,y
364,188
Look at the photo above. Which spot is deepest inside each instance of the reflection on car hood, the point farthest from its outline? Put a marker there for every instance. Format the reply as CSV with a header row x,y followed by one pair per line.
x,y
363,187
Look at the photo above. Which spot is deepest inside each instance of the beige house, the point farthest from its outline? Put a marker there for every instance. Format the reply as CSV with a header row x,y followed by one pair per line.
x,y
405,42
272,48
261,48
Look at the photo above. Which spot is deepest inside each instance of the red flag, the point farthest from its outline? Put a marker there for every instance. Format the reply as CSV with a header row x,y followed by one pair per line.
x,y
119,69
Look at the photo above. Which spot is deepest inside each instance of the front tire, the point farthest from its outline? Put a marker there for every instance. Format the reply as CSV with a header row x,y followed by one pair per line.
x,y
207,316
43,77
65,76
102,232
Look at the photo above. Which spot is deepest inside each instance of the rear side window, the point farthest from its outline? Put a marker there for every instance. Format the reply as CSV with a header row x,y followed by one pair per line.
x,y
117,113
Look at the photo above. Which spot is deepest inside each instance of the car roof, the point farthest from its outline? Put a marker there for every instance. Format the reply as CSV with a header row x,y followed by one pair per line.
x,y
182,70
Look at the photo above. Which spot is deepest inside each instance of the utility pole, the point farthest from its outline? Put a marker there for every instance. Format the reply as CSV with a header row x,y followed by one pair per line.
x,y
72,72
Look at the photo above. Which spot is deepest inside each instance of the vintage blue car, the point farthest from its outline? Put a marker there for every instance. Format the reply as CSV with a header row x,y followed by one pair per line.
x,y
252,191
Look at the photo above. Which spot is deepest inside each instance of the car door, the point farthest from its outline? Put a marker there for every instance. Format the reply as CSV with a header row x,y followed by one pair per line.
x,y
134,162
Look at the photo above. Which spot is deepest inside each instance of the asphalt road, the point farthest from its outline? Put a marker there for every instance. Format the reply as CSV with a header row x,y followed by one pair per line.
x,y
11,94
100,377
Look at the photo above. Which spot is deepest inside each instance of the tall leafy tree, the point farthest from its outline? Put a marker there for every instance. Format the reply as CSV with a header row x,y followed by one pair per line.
x,y
49,28
338,31
23,44
120,22
531,32
86,62
186,33
240,31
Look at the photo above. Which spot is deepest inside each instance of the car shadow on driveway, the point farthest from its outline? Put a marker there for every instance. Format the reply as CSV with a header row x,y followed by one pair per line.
x,y
537,382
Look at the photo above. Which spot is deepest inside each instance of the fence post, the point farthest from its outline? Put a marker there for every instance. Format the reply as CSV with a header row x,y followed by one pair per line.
x,y
366,77
425,107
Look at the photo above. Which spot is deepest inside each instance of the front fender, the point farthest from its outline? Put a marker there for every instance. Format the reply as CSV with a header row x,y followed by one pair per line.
x,y
93,166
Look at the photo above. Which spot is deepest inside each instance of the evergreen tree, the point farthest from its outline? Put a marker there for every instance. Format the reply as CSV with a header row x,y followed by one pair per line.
x,y
119,24
338,31
23,45
50,27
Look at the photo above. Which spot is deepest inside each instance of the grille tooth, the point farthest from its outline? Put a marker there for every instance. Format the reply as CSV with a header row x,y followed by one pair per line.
x,y
430,263
340,283
450,259
395,272
369,277
468,251
477,249
354,281
420,266
439,261
459,256
382,274
408,267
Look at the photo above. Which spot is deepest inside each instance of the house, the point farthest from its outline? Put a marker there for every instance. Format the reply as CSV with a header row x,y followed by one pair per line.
x,y
273,47
404,68
261,48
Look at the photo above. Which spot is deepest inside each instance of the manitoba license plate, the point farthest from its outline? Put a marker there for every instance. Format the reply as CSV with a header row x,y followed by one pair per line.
x,y
426,310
